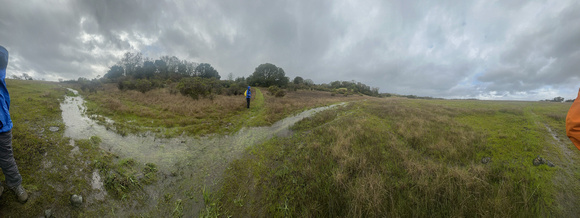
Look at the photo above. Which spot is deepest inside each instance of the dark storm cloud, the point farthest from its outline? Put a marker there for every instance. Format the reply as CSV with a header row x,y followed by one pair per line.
x,y
39,38
507,49
44,40
544,54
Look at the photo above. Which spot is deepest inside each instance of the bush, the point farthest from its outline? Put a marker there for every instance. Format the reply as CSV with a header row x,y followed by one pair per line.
x,y
90,85
341,91
233,88
127,85
173,89
280,93
199,87
143,85
293,87
273,90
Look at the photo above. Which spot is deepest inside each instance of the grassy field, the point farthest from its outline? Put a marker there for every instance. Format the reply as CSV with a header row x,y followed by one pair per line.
x,y
372,157
53,167
400,157
50,173
170,115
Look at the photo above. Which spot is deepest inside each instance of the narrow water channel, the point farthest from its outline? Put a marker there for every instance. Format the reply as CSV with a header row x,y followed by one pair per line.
x,y
202,160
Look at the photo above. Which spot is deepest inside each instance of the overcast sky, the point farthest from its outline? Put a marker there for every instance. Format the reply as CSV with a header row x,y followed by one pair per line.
x,y
486,49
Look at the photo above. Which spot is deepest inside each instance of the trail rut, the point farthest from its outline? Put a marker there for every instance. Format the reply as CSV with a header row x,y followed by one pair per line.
x,y
566,184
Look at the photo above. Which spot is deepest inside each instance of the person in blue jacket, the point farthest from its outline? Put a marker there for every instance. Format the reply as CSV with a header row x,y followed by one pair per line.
x,y
248,95
7,162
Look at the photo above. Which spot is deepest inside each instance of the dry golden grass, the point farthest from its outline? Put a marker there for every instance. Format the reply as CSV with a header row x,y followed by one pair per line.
x,y
134,111
396,158
165,104
278,108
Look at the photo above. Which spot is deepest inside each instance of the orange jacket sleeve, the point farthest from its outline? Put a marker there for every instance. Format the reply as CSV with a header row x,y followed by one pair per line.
x,y
573,122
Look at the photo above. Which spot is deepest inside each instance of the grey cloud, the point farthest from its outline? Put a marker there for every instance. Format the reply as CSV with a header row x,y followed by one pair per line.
x,y
440,49
544,55
39,38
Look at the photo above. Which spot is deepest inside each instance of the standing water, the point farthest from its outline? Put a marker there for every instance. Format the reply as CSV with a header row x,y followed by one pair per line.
x,y
201,159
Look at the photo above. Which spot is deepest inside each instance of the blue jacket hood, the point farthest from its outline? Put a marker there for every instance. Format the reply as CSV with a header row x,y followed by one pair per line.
x,y
3,58
5,121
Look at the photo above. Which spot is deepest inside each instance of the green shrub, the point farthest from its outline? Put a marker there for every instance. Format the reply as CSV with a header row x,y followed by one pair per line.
x,y
199,87
341,91
273,90
127,85
143,85
234,88
280,93
173,89
90,85
293,87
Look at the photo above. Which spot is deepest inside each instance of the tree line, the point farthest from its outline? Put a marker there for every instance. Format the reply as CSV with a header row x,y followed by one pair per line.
x,y
558,99
201,80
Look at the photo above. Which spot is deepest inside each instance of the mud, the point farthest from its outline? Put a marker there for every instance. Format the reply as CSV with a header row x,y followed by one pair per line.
x,y
563,147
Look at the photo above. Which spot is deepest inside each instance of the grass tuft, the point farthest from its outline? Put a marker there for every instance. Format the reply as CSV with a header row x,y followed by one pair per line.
x,y
396,158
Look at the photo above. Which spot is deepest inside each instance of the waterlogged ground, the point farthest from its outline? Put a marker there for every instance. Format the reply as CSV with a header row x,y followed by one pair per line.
x,y
342,161
187,166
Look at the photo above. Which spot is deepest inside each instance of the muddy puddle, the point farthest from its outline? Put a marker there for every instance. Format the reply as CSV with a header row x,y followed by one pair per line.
x,y
197,162
565,150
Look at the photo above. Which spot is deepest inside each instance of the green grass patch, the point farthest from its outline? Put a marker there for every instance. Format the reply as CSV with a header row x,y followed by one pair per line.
x,y
51,171
257,113
400,158
169,115
53,168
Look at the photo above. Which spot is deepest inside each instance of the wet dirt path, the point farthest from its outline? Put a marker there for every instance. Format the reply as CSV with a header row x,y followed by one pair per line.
x,y
187,165
565,158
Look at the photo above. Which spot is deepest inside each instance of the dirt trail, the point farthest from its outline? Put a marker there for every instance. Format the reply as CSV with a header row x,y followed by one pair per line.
x,y
564,148
565,158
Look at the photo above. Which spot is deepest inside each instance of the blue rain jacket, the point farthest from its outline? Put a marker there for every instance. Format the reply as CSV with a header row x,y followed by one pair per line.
x,y
6,122
248,93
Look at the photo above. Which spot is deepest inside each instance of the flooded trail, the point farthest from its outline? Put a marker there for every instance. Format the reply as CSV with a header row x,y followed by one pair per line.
x,y
565,179
191,162
565,149
562,154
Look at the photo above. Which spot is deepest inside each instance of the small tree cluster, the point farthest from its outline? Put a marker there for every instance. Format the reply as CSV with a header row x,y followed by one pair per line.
x,y
205,70
556,99
89,85
134,66
24,76
354,86
134,72
267,75
276,91
199,87
141,85
342,87
236,87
